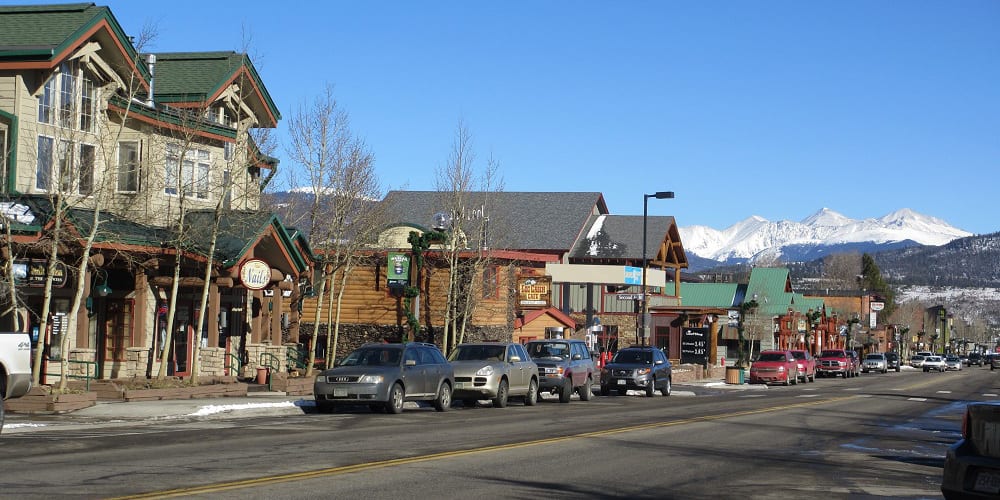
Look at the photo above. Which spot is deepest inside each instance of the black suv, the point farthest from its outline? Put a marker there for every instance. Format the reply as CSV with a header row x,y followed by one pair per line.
x,y
383,376
564,366
637,368
892,361
975,358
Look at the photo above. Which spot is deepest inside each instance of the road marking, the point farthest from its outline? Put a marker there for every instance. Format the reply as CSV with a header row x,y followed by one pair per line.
x,y
944,392
336,471
990,395
916,399
808,395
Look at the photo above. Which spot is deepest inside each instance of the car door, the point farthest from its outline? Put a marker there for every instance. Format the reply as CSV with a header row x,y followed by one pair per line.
x,y
414,373
660,365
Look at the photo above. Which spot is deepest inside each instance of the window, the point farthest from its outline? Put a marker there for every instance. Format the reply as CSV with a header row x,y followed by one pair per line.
x,y
128,167
43,173
85,158
191,178
69,99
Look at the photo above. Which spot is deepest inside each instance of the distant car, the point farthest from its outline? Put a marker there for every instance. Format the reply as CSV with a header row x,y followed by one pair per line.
x,y
807,365
494,371
875,362
637,368
975,358
564,366
775,366
935,363
917,361
994,361
892,361
833,362
383,376
953,363
972,465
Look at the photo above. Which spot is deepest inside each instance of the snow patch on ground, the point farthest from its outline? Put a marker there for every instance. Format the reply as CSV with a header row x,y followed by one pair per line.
x,y
215,409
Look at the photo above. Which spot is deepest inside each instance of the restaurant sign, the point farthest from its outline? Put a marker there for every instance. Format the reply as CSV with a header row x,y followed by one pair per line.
x,y
398,272
31,272
534,292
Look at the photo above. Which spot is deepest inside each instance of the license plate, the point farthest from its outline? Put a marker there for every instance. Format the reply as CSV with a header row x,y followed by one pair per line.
x,y
459,385
340,393
988,481
621,382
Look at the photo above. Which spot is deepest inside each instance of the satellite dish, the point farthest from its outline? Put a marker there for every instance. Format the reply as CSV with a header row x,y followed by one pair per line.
x,y
442,221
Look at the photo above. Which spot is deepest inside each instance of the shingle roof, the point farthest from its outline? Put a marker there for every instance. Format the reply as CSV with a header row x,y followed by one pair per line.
x,y
41,29
183,77
238,232
620,237
530,221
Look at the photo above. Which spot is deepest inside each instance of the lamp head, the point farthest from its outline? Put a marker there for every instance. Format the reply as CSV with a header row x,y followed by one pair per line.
x,y
660,195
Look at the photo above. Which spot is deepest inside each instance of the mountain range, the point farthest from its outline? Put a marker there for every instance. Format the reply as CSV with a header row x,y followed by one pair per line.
x,y
757,239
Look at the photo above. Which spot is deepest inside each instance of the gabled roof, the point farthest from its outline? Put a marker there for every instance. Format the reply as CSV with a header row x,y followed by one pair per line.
x,y
42,36
552,312
186,79
772,288
531,221
239,232
619,237
721,295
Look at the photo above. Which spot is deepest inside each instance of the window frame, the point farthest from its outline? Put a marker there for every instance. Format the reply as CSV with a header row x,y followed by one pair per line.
x,y
130,176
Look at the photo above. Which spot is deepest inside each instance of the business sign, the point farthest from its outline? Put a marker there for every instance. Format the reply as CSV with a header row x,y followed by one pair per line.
x,y
633,275
398,272
877,306
534,292
255,274
629,296
31,272
694,346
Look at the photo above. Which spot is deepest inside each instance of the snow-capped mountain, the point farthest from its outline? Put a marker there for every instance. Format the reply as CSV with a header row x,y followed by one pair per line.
x,y
823,232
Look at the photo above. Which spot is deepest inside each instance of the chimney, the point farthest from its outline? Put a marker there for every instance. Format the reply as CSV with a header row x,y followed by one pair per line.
x,y
151,62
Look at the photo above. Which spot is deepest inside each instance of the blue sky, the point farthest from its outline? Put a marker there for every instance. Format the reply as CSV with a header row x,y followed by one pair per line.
x,y
770,108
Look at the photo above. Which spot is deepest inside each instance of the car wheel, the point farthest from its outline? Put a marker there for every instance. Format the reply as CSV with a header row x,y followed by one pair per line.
x,y
587,390
795,379
531,398
651,388
469,403
605,390
667,388
443,401
926,370
566,391
324,407
897,369
788,380
395,403
501,400
813,377
845,374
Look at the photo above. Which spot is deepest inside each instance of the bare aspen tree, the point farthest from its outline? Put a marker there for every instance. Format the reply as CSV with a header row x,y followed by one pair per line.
x,y
339,212
467,197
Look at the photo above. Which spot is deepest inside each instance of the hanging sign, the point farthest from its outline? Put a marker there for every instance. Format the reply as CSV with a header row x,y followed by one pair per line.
x,y
255,274
534,292
398,272
31,272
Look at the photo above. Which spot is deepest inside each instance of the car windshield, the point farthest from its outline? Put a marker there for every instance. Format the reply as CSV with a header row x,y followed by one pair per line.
x,y
952,358
833,354
875,356
633,357
916,358
799,354
372,356
478,353
772,356
558,350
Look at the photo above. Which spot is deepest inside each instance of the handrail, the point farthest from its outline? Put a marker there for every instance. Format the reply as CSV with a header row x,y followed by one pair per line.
x,y
266,359
296,357
227,366
91,375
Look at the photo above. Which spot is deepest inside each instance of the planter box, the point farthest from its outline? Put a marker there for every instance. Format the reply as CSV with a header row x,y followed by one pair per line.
x,y
118,391
39,400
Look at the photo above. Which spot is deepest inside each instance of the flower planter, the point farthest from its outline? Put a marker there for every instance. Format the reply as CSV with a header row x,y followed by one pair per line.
x,y
41,400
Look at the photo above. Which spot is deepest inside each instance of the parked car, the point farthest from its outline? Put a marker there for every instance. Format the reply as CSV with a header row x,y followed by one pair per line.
x,y
892,361
934,363
833,362
975,358
807,365
972,465
953,363
383,376
775,366
494,371
564,366
995,361
917,361
637,368
875,362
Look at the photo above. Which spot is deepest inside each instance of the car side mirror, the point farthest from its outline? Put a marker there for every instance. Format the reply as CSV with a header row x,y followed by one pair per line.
x,y
577,357
515,359
659,362
411,362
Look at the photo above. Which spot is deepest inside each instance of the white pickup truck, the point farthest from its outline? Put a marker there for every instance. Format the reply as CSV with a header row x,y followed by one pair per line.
x,y
15,366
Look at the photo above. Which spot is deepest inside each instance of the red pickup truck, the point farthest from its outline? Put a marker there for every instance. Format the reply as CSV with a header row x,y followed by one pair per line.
x,y
833,362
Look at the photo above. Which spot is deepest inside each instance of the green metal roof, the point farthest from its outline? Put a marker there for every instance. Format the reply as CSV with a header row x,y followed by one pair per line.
x,y
238,233
719,295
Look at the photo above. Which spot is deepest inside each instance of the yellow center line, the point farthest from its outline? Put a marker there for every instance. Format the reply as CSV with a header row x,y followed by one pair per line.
x,y
333,471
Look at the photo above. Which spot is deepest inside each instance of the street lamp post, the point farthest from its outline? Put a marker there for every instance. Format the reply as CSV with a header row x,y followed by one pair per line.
x,y
659,195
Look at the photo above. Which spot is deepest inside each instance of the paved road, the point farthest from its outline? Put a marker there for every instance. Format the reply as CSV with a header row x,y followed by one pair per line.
x,y
876,436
